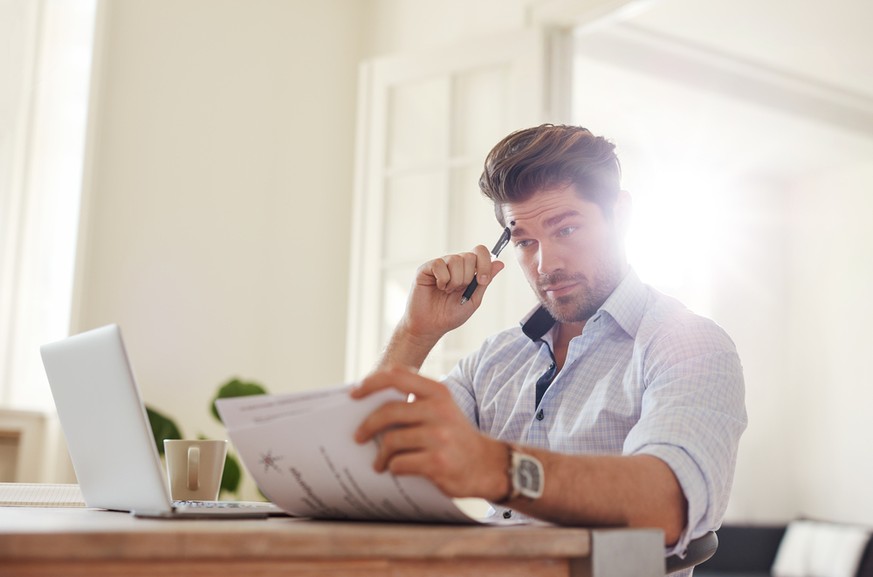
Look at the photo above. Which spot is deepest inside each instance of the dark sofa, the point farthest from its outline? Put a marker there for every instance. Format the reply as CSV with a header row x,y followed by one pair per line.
x,y
749,551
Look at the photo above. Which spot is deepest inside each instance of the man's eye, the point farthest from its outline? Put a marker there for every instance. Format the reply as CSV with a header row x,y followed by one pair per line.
x,y
567,231
523,243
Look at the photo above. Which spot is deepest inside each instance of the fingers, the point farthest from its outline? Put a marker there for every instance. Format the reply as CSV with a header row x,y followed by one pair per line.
x,y
400,414
396,443
429,437
387,417
455,271
402,379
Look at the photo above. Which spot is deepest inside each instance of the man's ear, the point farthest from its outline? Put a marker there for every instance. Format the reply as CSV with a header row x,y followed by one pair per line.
x,y
621,212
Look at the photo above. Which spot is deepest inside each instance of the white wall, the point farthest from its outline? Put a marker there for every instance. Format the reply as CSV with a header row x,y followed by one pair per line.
x,y
799,309
410,25
831,341
750,281
217,211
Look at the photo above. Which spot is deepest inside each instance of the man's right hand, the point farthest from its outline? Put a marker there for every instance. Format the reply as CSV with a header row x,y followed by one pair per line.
x,y
434,306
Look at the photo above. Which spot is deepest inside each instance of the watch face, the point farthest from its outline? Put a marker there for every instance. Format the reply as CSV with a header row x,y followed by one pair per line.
x,y
528,477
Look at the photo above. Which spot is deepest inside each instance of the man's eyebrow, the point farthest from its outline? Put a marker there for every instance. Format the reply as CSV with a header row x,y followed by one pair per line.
x,y
556,220
519,231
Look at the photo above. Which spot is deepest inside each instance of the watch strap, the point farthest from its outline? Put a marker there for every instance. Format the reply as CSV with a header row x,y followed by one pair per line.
x,y
511,492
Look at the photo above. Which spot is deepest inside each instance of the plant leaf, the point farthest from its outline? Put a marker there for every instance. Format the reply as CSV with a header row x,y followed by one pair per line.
x,y
163,427
232,475
236,388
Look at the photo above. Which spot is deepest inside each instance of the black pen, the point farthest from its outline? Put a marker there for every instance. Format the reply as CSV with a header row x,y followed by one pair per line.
x,y
501,242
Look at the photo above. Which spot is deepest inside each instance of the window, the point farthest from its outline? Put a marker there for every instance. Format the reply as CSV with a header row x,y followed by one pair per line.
x,y
43,105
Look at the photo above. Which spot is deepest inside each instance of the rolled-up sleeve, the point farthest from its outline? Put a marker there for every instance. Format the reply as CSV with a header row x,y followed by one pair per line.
x,y
692,416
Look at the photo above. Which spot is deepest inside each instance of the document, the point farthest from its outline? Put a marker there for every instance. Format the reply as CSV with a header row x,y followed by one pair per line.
x,y
301,451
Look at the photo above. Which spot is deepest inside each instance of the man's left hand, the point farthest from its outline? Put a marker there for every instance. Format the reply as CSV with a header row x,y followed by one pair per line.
x,y
432,438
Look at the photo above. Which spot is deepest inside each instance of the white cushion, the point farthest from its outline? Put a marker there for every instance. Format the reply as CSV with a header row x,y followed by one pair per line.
x,y
817,549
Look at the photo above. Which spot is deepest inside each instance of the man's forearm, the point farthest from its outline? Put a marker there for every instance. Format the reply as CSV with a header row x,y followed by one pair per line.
x,y
406,349
634,491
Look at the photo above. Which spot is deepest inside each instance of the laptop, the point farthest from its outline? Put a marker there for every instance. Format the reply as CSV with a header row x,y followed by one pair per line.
x,y
108,434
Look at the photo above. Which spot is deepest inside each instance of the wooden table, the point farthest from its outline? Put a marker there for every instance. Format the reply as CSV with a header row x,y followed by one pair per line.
x,y
86,542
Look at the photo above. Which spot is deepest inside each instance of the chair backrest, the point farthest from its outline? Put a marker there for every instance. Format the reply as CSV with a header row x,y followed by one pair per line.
x,y
699,550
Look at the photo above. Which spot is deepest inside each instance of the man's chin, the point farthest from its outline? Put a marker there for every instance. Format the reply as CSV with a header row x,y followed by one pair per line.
x,y
568,309
567,312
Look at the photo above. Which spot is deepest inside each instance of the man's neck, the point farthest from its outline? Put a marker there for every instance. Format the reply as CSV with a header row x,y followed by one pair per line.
x,y
563,333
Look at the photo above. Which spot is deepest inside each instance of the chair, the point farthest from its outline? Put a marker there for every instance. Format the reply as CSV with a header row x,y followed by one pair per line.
x,y
699,550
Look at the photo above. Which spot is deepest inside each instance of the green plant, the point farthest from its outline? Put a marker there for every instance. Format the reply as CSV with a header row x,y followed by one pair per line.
x,y
236,388
164,427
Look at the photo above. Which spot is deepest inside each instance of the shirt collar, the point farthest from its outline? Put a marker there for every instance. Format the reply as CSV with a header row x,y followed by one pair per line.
x,y
625,305
537,323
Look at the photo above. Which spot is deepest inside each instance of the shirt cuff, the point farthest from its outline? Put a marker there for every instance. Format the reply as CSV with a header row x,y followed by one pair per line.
x,y
693,485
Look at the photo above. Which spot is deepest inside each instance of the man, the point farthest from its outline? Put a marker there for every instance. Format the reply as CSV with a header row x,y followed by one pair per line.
x,y
612,404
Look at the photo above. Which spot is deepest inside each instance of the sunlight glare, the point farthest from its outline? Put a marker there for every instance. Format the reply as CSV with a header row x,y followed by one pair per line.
x,y
675,234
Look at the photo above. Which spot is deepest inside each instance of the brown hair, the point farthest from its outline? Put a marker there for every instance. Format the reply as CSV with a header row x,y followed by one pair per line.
x,y
548,156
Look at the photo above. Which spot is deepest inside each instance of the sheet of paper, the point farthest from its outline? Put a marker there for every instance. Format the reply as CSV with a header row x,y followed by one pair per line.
x,y
241,411
302,454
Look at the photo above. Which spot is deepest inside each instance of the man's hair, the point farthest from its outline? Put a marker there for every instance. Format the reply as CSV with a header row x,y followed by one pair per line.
x,y
551,156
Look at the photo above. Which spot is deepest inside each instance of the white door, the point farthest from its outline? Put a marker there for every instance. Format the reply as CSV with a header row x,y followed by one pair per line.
x,y
426,123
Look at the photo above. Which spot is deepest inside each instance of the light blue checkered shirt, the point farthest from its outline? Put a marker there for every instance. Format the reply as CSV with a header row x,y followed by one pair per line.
x,y
646,376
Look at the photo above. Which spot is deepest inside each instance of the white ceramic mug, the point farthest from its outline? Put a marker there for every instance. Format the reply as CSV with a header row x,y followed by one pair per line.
x,y
194,468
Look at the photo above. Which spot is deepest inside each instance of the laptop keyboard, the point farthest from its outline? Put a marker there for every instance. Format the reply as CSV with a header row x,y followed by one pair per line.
x,y
252,505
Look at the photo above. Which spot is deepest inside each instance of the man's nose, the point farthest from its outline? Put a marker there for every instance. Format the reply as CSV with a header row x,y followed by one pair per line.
x,y
549,258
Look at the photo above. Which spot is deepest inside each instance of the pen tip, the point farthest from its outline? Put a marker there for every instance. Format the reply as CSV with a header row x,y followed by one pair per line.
x,y
464,299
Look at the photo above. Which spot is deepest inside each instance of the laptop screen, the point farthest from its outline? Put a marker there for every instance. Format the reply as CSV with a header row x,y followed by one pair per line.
x,y
104,421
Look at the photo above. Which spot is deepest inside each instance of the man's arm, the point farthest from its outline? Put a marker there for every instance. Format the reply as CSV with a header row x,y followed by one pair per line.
x,y
430,437
406,349
633,491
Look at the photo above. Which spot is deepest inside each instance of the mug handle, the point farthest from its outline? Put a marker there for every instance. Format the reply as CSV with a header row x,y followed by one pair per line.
x,y
193,468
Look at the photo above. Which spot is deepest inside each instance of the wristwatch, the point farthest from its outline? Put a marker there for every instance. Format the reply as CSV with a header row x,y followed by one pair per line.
x,y
526,475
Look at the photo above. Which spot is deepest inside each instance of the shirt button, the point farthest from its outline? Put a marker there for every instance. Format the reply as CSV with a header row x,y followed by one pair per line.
x,y
540,415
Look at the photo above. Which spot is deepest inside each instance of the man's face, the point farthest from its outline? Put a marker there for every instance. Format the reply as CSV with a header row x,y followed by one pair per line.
x,y
571,254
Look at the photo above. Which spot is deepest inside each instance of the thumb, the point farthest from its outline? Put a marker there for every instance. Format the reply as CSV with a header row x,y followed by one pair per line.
x,y
496,267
